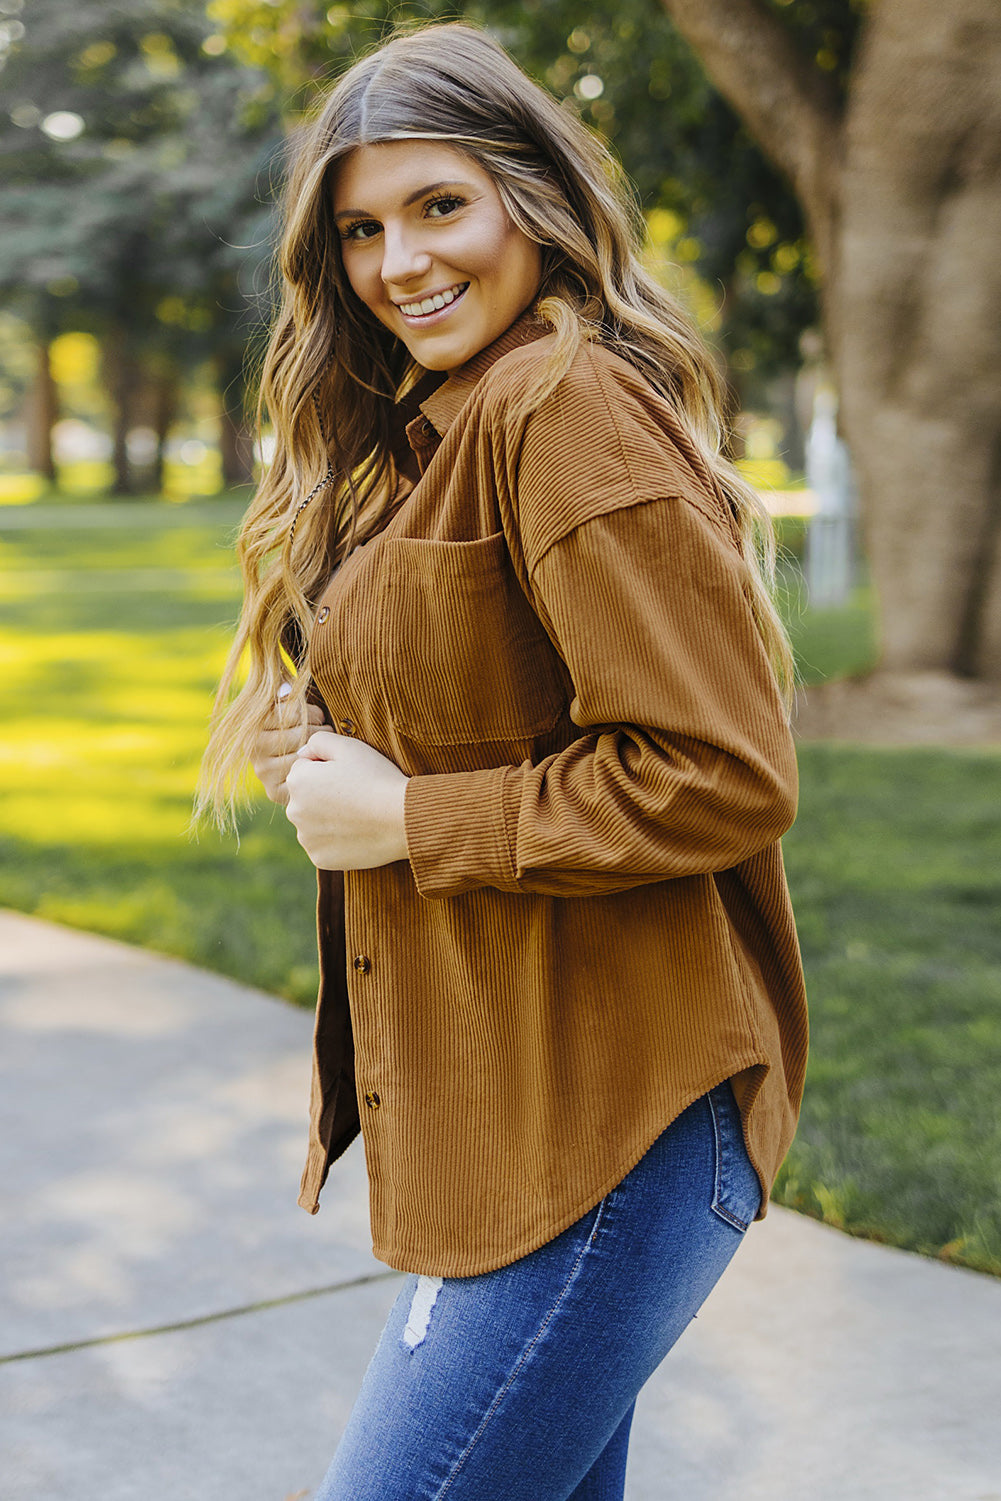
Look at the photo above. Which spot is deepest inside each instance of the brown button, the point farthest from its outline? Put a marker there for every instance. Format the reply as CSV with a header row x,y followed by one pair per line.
x,y
372,1100
323,615
363,963
347,726
428,429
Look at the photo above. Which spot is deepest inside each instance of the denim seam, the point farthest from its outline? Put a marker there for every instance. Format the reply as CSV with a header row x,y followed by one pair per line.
x,y
717,1206
525,1355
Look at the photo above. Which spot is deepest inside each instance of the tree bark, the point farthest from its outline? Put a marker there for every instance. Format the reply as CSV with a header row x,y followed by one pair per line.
x,y
919,357
42,412
902,196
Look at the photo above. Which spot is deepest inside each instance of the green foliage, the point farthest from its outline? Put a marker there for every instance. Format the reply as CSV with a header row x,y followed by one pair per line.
x,y
111,636
130,160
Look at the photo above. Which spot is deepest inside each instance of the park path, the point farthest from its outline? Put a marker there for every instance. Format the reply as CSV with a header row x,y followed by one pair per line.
x,y
174,1328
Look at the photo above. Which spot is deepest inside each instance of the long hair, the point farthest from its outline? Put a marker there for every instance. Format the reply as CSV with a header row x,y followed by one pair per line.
x,y
332,373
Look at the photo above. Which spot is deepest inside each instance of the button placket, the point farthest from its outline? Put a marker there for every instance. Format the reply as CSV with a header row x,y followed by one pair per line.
x,y
362,964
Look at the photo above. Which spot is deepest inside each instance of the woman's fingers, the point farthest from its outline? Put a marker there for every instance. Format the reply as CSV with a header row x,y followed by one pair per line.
x,y
272,778
291,729
276,747
278,742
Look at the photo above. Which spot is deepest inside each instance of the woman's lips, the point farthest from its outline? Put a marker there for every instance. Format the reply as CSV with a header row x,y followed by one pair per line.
x,y
436,314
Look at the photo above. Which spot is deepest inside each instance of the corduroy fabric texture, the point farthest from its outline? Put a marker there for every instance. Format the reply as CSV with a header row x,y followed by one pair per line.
x,y
551,637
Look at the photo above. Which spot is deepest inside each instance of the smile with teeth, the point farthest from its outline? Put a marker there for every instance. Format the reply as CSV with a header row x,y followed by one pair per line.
x,y
433,304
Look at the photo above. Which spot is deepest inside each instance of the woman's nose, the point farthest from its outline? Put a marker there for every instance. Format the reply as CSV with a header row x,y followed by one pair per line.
x,y
403,259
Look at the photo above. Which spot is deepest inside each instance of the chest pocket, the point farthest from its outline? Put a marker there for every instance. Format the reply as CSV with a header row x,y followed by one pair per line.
x,y
466,659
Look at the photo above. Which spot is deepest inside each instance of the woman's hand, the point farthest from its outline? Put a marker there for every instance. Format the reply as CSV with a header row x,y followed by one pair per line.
x,y
275,752
346,801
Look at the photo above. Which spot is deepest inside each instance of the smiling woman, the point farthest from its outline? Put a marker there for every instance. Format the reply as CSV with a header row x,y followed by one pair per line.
x,y
517,678
443,266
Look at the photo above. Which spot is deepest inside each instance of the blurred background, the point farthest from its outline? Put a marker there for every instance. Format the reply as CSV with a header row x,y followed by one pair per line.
x,y
820,182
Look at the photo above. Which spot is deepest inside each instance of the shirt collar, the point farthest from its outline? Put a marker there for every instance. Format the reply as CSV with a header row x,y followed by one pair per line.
x,y
441,408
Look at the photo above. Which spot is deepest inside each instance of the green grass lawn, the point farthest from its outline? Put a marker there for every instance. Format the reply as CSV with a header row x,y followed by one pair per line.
x,y
895,869
111,640
114,622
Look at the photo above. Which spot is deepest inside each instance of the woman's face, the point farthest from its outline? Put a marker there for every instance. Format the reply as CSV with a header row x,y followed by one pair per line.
x,y
430,249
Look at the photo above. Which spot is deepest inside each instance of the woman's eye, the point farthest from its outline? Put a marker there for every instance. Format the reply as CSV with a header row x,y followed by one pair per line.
x,y
365,229
439,208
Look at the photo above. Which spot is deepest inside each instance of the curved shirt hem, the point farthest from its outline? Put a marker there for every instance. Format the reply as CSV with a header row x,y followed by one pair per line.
x,y
477,1266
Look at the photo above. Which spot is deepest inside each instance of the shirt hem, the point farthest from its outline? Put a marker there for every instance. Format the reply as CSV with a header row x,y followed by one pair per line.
x,y
477,1266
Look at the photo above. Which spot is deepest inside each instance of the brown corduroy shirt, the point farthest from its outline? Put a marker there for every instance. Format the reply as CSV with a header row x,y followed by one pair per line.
x,y
552,638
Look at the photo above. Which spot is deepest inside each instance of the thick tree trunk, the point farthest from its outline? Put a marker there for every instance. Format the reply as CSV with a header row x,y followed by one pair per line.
x,y
902,195
42,413
919,346
236,443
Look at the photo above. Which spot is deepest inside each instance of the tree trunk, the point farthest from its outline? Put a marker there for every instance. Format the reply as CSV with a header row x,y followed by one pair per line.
x,y
918,351
902,194
122,376
236,443
164,393
42,412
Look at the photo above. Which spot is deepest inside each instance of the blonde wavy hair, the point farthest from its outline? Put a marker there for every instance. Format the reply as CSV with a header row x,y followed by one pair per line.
x,y
332,374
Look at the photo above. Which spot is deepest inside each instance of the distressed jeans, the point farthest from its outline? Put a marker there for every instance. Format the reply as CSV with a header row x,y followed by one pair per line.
x,y
519,1384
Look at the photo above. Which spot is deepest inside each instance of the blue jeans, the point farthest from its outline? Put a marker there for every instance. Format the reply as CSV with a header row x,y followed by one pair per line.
x,y
519,1384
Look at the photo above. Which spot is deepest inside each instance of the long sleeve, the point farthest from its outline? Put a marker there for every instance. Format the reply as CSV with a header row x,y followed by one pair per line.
x,y
686,764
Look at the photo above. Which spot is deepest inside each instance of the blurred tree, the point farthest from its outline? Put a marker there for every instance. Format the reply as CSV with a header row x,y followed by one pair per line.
x,y
18,369
897,166
131,156
43,414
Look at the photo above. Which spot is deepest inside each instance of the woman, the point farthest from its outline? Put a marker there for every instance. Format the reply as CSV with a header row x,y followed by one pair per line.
x,y
498,554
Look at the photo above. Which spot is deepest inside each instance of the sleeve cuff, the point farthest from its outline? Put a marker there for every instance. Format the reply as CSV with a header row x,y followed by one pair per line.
x,y
460,830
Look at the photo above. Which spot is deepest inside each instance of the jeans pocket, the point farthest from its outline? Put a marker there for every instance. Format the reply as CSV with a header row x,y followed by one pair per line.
x,y
737,1191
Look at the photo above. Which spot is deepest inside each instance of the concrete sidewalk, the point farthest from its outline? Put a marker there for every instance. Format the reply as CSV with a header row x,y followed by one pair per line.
x,y
174,1328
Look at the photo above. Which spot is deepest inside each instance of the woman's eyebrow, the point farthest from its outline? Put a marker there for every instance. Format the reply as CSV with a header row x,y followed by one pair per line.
x,y
431,187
